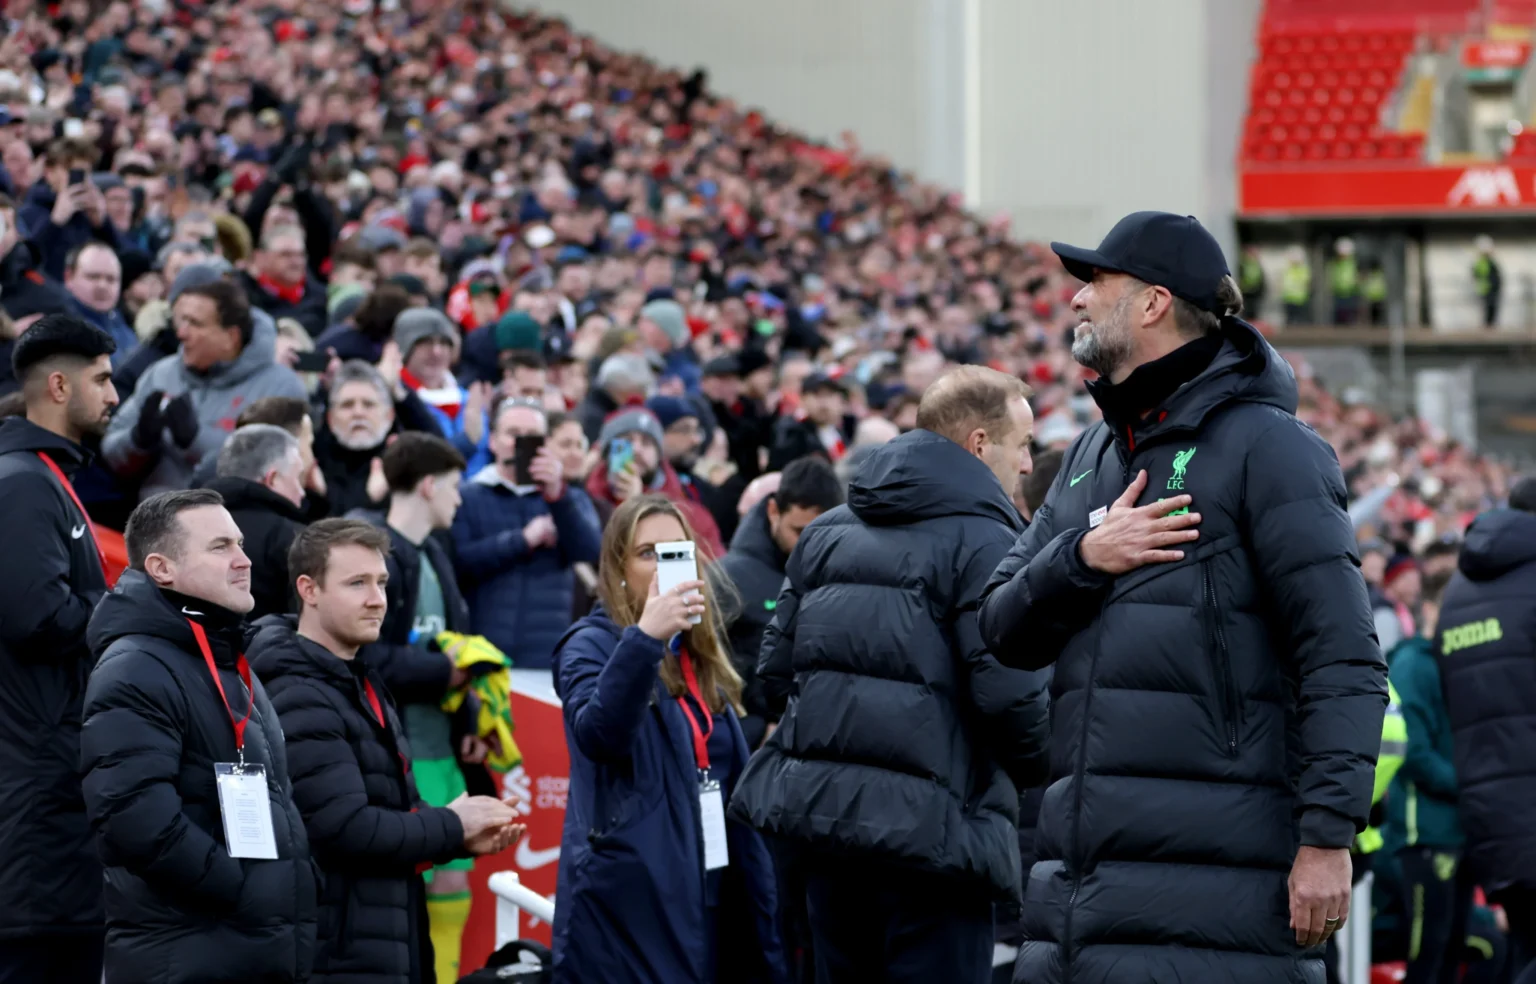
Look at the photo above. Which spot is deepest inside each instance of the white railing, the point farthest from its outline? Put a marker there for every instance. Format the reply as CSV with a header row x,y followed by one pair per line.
x,y
1355,943
512,899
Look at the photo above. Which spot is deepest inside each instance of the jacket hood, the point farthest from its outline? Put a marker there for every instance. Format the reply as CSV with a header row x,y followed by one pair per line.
x,y
1247,369
1497,542
20,434
136,607
275,649
754,539
921,475
244,493
257,355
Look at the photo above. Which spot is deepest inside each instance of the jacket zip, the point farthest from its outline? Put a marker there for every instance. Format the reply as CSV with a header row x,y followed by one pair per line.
x,y
1223,660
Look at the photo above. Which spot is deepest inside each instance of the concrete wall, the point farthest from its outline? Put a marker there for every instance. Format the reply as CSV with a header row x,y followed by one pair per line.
x,y
1083,111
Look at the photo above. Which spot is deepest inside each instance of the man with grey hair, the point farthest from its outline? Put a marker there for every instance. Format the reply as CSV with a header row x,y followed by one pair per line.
x,y
363,409
623,378
1193,576
261,477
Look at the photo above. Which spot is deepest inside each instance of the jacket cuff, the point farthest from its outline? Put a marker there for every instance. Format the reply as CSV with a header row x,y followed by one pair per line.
x,y
1322,827
1077,569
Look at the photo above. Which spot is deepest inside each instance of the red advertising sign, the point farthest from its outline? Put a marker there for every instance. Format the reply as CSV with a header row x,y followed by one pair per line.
x,y
537,787
1496,55
1356,190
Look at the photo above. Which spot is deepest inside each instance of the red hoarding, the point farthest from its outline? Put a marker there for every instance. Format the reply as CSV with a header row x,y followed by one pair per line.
x,y
539,785
1362,190
1495,54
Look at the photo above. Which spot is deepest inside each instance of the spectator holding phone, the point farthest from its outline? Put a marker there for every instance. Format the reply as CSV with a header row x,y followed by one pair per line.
x,y
632,465
64,210
520,531
655,884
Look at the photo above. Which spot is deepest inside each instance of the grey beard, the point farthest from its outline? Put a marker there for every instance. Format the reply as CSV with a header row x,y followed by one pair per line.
x,y
356,442
1090,353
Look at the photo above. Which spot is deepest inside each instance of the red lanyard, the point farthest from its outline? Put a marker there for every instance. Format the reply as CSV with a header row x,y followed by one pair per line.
x,y
70,490
700,734
373,701
244,670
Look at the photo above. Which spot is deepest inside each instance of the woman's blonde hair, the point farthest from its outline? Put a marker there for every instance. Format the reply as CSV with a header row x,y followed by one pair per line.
x,y
718,681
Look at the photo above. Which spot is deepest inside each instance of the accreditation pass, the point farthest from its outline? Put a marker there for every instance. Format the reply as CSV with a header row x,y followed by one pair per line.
x,y
247,810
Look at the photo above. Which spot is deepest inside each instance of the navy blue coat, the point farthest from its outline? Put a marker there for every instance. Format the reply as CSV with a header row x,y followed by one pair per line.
x,y
521,599
629,906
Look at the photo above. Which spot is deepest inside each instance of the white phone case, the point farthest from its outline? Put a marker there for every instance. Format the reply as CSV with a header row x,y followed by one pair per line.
x,y
675,563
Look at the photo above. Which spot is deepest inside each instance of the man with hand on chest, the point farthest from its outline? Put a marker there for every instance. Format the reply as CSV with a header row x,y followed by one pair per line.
x,y
1218,691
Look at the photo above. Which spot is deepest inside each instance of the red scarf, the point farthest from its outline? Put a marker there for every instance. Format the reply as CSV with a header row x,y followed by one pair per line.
x,y
288,293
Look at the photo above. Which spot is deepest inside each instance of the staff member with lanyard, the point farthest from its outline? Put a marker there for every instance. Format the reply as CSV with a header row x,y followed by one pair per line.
x,y
50,899
208,873
656,886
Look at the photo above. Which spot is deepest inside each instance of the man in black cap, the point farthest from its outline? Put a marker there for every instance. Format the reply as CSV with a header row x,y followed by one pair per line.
x,y
1218,689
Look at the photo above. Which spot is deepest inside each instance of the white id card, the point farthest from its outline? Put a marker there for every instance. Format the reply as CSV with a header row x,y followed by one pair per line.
x,y
712,816
247,810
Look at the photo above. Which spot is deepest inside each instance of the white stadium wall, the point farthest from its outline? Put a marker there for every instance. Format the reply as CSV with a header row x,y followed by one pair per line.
x,y
1065,115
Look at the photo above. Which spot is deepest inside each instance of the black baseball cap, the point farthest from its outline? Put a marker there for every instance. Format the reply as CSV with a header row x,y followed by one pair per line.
x,y
1170,251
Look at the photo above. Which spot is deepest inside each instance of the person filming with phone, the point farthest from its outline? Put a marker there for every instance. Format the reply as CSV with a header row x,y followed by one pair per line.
x,y
520,531
632,464
655,885
64,210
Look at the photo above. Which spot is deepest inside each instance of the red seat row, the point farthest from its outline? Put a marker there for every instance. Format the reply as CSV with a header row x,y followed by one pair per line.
x,y
1350,76
1401,148
1283,45
1359,114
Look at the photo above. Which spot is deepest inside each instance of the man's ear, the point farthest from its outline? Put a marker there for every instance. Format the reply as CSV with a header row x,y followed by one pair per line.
x,y
160,568
772,509
977,440
308,590
427,486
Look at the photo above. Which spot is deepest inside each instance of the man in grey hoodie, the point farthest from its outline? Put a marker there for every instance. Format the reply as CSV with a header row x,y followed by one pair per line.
x,y
185,405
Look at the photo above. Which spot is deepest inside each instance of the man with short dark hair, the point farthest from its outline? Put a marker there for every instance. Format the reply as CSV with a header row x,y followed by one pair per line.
x,y
50,903
208,870
1486,649
518,537
891,783
369,828
184,406
821,425
93,275
424,473
755,564
261,478
1193,577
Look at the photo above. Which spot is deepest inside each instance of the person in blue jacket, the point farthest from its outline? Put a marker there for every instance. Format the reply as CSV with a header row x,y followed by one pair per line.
x,y
655,885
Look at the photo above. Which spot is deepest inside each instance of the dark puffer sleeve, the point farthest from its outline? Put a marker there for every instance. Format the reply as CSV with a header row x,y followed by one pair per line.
x,y
775,666
329,791
1294,517
130,749
1042,594
1012,703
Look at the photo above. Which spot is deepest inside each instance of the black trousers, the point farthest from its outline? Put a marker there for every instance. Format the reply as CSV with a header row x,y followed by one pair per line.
x,y
1437,896
871,922
61,959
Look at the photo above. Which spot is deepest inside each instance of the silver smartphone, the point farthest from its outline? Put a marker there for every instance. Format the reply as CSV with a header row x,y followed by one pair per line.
x,y
675,564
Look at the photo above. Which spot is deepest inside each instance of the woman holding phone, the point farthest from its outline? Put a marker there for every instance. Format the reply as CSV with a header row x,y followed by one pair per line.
x,y
655,884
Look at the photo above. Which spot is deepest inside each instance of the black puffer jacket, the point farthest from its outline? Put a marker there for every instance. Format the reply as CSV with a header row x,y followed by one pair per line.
x,y
1487,648
180,910
1211,714
351,784
269,523
50,879
755,565
901,732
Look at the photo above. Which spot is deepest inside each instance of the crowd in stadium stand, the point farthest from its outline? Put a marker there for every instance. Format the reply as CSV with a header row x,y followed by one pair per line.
x,y
348,223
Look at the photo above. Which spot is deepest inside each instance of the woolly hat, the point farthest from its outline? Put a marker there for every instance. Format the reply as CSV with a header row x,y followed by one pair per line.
x,y
669,317
631,420
415,325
